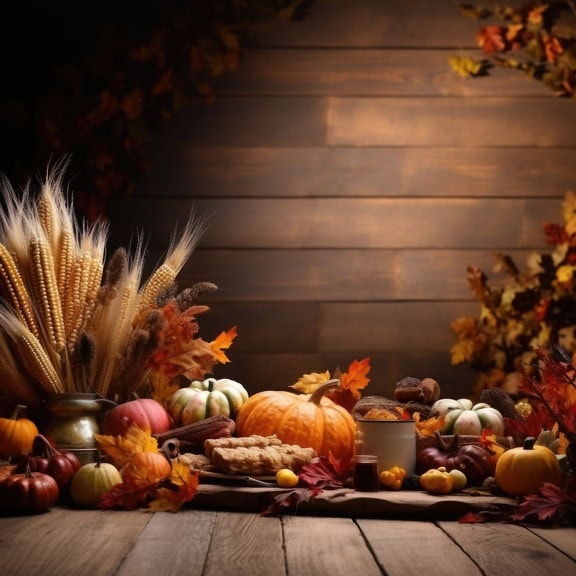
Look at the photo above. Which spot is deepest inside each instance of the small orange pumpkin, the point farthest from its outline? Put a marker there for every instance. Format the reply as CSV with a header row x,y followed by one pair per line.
x,y
521,471
308,420
145,468
16,434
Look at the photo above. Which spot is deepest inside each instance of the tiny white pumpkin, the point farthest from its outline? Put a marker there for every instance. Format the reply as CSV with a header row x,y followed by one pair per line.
x,y
465,418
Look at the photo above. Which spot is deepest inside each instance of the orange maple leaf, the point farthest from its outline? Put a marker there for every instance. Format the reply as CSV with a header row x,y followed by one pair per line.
x,y
222,342
356,378
492,39
121,448
428,427
182,487
351,383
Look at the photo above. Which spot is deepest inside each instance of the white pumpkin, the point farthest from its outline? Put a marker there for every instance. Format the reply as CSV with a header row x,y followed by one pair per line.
x,y
465,418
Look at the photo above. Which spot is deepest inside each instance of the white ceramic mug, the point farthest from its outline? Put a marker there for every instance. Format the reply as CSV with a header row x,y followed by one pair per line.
x,y
393,441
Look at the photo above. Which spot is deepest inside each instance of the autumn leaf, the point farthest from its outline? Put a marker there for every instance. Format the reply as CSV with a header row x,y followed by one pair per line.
x,y
477,281
428,427
325,472
492,39
462,351
356,378
474,11
555,234
309,383
351,383
551,504
290,499
179,489
121,448
222,342
466,67
127,496
489,441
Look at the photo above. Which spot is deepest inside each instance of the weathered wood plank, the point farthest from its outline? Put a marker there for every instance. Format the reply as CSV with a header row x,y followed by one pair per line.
x,y
68,542
450,121
373,23
393,326
562,538
359,172
508,549
369,72
246,121
171,544
335,544
406,548
278,371
367,223
245,544
340,275
283,327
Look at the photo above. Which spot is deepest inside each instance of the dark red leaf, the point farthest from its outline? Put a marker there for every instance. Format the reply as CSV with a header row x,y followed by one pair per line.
x,y
324,472
551,504
290,499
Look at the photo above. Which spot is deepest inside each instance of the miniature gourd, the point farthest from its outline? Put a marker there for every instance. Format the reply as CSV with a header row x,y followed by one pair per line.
x,y
92,481
437,481
201,399
475,461
465,418
16,434
308,420
521,471
28,493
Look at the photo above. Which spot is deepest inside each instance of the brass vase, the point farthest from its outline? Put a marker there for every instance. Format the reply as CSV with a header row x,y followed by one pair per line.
x,y
71,421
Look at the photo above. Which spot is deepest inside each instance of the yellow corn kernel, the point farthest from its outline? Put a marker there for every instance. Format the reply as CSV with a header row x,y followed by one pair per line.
x,y
160,280
46,292
36,362
15,290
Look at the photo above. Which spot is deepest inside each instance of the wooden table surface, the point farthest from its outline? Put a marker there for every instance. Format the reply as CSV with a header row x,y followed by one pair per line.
x,y
65,541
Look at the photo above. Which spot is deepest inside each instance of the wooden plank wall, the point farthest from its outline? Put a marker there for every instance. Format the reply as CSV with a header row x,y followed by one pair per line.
x,y
351,177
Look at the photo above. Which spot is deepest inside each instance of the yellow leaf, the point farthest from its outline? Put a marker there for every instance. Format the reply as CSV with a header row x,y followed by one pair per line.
x,y
308,383
121,448
183,487
461,352
428,427
162,387
466,67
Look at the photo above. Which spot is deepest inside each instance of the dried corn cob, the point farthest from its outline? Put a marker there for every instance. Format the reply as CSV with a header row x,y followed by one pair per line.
x,y
218,426
65,264
177,256
46,292
15,290
35,360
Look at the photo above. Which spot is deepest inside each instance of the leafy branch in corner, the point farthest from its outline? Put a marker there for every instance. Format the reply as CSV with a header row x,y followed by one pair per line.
x,y
537,39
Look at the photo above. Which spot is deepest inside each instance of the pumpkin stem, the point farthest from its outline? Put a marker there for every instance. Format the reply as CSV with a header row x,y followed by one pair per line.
x,y
42,447
317,395
17,411
529,443
443,445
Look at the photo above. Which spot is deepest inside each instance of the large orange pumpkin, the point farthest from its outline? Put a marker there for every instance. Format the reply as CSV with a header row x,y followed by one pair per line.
x,y
308,420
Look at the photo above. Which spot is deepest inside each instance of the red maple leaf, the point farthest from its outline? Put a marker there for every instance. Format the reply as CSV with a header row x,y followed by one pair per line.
x,y
492,39
290,499
552,504
555,234
324,472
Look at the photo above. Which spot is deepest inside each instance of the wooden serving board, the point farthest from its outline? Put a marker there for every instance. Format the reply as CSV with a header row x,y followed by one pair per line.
x,y
350,503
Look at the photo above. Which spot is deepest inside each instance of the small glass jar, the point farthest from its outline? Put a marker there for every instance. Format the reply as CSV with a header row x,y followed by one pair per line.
x,y
365,473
